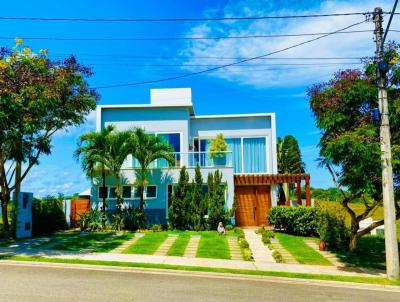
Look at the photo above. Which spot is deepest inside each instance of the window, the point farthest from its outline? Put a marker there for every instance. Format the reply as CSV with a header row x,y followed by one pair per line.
x,y
126,192
103,192
24,200
151,192
112,192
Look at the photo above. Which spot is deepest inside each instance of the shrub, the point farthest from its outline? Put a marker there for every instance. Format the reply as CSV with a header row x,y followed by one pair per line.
x,y
239,232
156,228
247,255
117,221
297,220
332,229
228,227
265,239
133,218
90,221
48,215
243,243
277,256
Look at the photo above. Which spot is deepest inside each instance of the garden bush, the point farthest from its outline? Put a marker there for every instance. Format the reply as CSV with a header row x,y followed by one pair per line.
x,y
243,243
332,229
48,215
229,227
156,228
277,256
133,218
297,220
90,221
239,232
265,239
247,255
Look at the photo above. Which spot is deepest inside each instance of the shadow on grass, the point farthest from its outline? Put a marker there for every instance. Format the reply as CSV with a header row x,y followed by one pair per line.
x,y
370,253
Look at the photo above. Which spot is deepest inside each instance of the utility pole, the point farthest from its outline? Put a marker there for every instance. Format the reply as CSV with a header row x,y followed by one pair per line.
x,y
392,253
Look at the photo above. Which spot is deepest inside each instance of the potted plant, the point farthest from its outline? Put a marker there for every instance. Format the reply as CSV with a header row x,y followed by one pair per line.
x,y
218,148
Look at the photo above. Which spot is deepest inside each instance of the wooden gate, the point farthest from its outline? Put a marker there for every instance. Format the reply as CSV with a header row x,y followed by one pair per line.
x,y
79,207
253,203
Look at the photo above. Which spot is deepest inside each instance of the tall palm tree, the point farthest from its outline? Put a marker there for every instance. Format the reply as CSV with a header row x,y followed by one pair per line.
x,y
119,146
92,150
146,149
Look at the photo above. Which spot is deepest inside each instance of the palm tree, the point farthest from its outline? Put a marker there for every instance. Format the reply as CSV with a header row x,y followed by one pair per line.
x,y
146,149
92,150
119,146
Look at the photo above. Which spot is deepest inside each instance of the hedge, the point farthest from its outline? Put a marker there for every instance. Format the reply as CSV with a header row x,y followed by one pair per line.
x,y
48,215
297,220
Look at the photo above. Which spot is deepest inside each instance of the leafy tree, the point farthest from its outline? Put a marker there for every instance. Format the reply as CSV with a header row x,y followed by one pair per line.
x,y
38,97
199,202
179,212
147,149
216,200
289,161
349,146
92,150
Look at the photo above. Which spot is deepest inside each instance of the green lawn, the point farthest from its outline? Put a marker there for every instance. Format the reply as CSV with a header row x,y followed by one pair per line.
x,y
304,254
98,241
148,244
212,245
370,253
179,246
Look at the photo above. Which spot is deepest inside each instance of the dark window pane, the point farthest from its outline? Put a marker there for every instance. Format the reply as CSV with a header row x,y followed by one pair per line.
x,y
126,192
136,193
112,193
103,192
151,192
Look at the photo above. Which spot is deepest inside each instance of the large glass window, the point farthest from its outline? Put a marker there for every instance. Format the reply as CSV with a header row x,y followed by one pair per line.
x,y
103,192
151,191
174,139
112,192
235,146
126,191
255,155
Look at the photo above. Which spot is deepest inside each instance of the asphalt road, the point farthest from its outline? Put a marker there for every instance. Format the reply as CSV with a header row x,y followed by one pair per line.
x,y
25,283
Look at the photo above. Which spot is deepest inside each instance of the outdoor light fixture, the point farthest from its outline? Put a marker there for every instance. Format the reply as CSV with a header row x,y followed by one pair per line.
x,y
376,115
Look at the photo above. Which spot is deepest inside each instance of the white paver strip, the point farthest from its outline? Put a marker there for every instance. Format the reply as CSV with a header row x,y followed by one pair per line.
x,y
326,254
261,253
127,243
234,248
193,245
164,247
287,257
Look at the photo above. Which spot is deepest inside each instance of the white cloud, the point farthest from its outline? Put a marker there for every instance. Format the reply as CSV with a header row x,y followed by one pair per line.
x,y
340,45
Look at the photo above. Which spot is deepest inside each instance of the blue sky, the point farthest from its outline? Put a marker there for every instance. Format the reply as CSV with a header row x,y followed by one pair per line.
x,y
273,85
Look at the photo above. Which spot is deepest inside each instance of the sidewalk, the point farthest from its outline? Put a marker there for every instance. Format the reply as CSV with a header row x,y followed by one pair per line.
x,y
186,261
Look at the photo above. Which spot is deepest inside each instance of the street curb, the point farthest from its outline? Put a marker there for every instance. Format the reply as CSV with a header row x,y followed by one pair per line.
x,y
215,275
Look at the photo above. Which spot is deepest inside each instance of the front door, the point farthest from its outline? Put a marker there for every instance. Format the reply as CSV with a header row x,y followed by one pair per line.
x,y
253,203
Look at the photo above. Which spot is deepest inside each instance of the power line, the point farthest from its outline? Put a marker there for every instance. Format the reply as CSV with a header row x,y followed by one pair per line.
x,y
231,64
213,65
179,19
183,38
389,23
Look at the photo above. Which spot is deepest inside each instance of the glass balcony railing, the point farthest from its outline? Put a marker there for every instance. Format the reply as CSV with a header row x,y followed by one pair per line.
x,y
192,159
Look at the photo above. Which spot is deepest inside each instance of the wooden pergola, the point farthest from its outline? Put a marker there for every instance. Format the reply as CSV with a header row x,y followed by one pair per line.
x,y
274,179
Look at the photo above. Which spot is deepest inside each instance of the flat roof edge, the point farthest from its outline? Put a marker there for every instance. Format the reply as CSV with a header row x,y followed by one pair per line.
x,y
265,114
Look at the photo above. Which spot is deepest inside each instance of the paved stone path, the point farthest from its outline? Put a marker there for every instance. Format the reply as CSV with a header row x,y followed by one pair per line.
x,y
164,247
261,253
127,243
191,249
287,257
326,254
236,253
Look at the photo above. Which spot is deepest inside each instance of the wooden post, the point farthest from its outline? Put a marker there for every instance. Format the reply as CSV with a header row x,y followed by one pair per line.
x,y
308,192
298,188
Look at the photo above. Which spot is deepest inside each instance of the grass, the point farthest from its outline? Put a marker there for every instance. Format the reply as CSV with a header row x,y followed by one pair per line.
x,y
179,246
99,241
212,245
371,280
147,244
304,254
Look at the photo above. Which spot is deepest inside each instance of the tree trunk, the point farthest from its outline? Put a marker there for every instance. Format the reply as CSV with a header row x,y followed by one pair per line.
x,y
141,197
118,192
104,216
18,168
5,201
286,191
353,243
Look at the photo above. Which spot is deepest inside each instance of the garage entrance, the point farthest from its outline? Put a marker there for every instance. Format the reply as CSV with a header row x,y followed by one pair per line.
x,y
253,203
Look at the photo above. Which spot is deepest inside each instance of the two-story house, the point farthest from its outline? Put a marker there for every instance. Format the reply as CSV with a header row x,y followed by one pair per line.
x,y
250,170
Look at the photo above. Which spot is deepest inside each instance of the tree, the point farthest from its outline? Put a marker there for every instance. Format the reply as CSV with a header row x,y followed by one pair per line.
x,y
289,161
179,212
199,204
119,146
92,150
38,97
216,200
147,149
349,147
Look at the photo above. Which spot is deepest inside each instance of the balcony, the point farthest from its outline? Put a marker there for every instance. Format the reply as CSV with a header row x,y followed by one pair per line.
x,y
192,159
